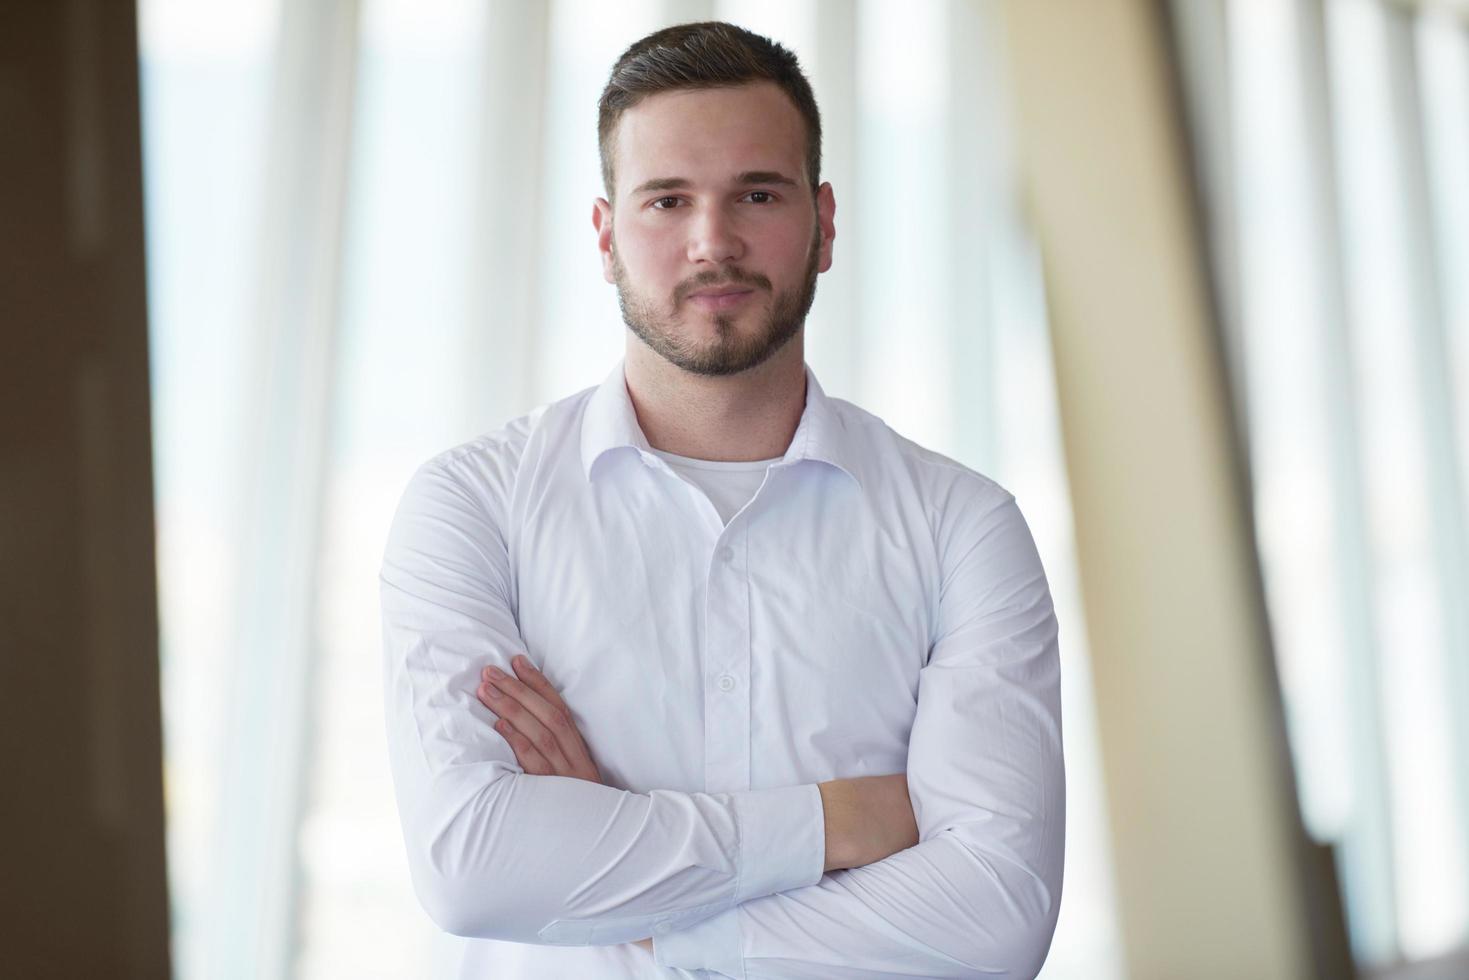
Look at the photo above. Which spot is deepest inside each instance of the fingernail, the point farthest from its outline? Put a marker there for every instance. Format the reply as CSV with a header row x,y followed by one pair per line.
x,y
497,673
493,692
525,663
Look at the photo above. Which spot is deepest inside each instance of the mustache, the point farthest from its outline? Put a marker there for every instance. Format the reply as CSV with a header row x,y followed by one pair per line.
x,y
713,280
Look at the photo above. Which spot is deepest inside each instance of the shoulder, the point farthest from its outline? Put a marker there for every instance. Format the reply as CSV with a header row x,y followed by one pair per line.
x,y
893,464
960,513
489,465
465,491
455,507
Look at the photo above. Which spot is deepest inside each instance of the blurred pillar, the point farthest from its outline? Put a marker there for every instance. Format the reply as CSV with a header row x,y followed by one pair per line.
x,y
1215,877
81,785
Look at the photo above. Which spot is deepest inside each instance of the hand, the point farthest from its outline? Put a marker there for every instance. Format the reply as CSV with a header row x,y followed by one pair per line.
x,y
538,726
536,722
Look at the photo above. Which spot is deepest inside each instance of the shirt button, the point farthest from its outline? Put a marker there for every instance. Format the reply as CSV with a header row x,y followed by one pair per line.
x,y
726,682
726,554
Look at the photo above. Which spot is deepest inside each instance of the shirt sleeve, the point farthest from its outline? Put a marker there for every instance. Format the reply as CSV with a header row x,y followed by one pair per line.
x,y
497,853
979,895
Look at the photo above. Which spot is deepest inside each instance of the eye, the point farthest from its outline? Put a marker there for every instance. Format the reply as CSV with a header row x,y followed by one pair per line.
x,y
768,197
657,204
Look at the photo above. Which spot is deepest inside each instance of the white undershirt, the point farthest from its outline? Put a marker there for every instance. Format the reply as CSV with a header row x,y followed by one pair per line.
x,y
728,485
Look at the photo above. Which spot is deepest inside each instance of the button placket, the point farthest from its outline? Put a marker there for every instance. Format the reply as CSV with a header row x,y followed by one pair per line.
x,y
726,660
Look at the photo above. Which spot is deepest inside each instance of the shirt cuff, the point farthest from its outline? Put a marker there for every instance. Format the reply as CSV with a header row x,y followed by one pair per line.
x,y
710,944
782,840
782,846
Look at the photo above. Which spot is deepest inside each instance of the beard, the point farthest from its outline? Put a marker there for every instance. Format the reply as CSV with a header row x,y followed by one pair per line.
x,y
729,352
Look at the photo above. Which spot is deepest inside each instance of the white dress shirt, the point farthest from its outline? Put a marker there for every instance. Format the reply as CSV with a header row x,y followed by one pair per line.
x,y
873,608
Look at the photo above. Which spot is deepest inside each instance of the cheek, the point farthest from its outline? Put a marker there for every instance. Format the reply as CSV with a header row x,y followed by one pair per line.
x,y
792,252
791,234
650,260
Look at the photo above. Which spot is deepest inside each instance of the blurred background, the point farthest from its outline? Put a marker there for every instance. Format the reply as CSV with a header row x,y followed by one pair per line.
x,y
1189,278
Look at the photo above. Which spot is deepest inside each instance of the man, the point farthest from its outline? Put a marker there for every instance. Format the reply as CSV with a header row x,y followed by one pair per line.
x,y
700,672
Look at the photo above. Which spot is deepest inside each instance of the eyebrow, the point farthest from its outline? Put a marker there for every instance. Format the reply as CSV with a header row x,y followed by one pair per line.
x,y
744,179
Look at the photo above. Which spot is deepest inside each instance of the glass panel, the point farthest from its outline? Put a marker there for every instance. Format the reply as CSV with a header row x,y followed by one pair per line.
x,y
1386,302
1345,331
583,325
205,74
401,399
903,313
1285,338
1350,129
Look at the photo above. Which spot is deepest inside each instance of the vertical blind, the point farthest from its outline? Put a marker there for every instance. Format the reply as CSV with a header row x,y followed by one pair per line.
x,y
1333,142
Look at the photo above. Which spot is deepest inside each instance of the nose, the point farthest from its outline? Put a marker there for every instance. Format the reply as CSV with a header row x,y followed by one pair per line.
x,y
714,238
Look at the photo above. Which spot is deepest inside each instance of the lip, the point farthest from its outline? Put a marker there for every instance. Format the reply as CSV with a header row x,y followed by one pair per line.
x,y
721,299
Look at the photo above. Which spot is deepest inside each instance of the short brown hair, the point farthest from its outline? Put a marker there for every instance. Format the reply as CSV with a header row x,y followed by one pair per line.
x,y
708,54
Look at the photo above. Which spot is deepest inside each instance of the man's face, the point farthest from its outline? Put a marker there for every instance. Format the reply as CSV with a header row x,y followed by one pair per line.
x,y
716,238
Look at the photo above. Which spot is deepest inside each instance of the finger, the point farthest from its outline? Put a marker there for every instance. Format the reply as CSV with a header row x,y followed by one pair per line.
x,y
561,723
579,770
536,681
498,698
549,712
525,753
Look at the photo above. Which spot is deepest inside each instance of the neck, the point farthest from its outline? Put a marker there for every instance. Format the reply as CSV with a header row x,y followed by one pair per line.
x,y
738,417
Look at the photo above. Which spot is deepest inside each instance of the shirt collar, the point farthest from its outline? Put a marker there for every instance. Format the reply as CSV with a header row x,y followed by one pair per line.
x,y
610,422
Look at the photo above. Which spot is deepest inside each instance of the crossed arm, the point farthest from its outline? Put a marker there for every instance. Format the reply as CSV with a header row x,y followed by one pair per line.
x,y
866,819
733,883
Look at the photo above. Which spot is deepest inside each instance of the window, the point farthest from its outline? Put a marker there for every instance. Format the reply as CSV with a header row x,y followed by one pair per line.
x,y
1334,138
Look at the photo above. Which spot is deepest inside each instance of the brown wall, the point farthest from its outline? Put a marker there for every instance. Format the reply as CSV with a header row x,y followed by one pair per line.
x,y
83,887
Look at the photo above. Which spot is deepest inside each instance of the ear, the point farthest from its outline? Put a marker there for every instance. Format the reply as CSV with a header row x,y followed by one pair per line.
x,y
602,221
826,209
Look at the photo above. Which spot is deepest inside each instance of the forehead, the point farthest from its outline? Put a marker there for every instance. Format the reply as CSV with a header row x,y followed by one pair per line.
x,y
709,134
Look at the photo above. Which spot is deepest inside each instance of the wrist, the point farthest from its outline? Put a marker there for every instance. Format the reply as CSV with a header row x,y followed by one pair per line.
x,y
838,808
